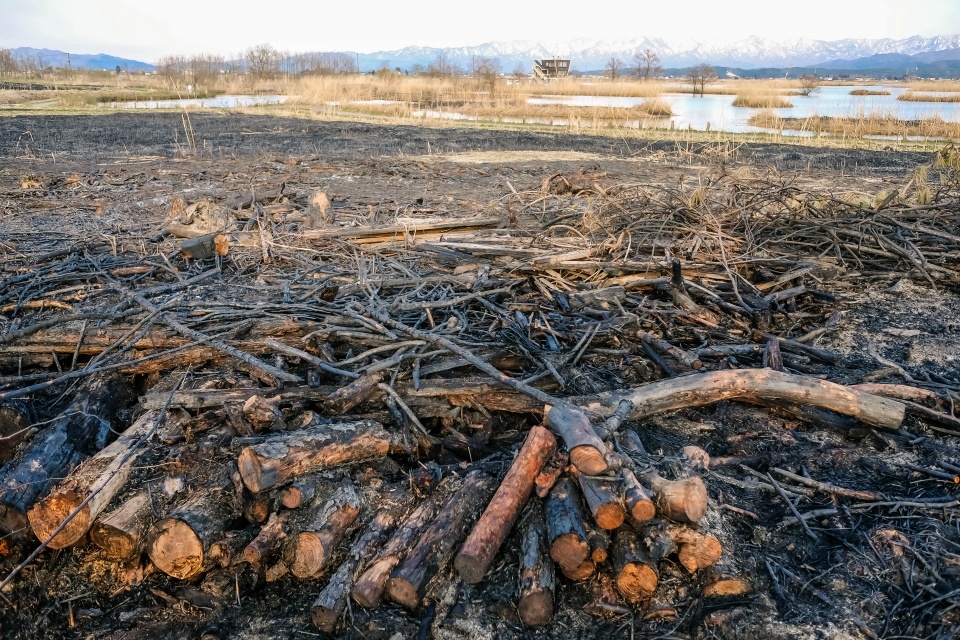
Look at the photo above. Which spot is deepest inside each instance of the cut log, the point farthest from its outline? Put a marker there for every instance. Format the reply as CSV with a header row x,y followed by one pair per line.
x,y
636,572
550,472
179,544
584,571
299,493
760,385
436,545
229,549
602,500
198,248
599,541
370,586
497,520
309,551
680,500
101,476
264,414
84,428
585,446
121,533
331,602
344,399
537,582
267,540
565,526
695,550
639,503
288,455
727,587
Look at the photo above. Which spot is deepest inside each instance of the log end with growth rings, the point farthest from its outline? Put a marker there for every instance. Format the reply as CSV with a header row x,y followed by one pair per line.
x,y
50,513
175,549
589,460
250,469
636,582
310,555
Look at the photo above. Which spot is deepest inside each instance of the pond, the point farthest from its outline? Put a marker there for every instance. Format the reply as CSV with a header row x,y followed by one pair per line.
x,y
219,102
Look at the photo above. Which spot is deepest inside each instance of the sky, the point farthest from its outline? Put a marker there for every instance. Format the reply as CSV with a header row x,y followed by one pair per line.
x,y
148,29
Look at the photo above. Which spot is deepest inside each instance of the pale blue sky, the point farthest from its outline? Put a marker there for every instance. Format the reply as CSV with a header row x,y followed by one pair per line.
x,y
147,29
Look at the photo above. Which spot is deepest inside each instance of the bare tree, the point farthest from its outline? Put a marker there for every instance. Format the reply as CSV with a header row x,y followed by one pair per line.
x,y
486,70
8,63
442,66
519,71
699,76
809,83
648,64
263,61
614,68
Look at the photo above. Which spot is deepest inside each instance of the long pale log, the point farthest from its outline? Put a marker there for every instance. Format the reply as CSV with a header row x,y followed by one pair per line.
x,y
537,581
309,551
435,547
370,586
567,534
179,544
331,602
82,429
585,446
497,520
758,385
103,475
121,533
288,455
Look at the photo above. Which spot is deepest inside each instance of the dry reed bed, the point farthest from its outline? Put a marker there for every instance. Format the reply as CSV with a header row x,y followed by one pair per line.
x,y
862,125
868,92
921,96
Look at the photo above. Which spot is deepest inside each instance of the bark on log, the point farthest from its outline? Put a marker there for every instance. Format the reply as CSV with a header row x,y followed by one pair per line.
x,y
179,544
585,446
347,397
680,500
497,520
103,475
267,540
121,533
331,602
636,572
299,493
229,549
550,472
537,582
16,416
289,455
760,385
309,551
435,547
602,500
639,503
599,541
81,430
370,586
565,526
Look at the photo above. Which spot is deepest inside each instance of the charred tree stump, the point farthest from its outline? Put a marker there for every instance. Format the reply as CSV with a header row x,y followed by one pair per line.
x,y
179,545
585,446
537,582
101,476
436,545
288,455
121,533
602,500
680,500
370,586
331,602
309,551
81,430
565,526
497,520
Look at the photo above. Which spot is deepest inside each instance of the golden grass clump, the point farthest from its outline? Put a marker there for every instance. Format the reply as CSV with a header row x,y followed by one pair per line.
x,y
761,101
866,124
869,92
921,96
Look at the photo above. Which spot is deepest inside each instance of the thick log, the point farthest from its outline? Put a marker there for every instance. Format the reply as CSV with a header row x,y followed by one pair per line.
x,y
537,581
228,550
331,602
370,586
288,455
639,503
583,571
569,547
347,397
585,446
602,500
309,551
121,533
299,493
680,500
267,540
16,416
101,476
179,544
498,518
84,428
695,550
760,385
635,571
436,545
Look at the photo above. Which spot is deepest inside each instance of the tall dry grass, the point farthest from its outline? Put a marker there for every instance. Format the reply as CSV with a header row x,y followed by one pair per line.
x,y
866,124
923,96
760,98
868,92
934,85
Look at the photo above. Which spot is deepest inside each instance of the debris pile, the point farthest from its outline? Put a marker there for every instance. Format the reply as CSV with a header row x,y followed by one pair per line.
x,y
277,387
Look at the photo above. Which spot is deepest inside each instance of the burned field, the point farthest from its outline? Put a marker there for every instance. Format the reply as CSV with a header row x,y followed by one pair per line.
x,y
521,386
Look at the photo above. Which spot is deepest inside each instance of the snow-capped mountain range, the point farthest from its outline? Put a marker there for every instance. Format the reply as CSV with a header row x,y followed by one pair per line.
x,y
750,53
